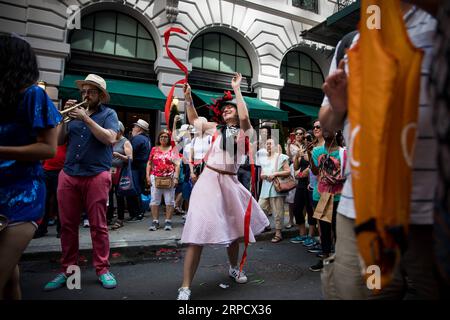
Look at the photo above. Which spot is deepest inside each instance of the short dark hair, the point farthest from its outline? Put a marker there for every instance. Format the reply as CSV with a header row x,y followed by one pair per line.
x,y
163,131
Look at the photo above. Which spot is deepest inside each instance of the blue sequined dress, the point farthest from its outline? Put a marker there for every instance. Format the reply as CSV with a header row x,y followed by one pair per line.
x,y
22,186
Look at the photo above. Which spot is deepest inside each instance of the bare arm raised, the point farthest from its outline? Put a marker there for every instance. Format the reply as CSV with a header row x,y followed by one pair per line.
x,y
191,112
244,119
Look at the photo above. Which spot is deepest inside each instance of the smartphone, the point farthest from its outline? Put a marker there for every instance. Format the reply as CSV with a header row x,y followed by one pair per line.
x,y
292,137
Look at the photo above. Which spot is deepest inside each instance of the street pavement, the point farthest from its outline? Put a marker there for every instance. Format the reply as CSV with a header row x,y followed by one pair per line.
x,y
149,264
275,272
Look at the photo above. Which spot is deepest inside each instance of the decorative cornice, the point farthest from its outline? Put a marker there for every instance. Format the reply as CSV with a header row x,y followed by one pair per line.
x,y
172,10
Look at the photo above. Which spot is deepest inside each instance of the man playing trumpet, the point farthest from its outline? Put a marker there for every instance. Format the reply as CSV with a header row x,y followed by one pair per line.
x,y
85,181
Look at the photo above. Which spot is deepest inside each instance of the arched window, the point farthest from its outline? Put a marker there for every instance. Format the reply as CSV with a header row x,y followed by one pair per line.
x,y
114,33
299,68
219,52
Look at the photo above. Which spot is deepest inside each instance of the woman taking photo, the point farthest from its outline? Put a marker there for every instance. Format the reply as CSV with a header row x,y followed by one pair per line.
x,y
163,169
294,144
302,199
28,134
318,140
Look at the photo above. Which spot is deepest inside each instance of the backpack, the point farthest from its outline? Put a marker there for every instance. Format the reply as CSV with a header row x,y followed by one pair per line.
x,y
332,175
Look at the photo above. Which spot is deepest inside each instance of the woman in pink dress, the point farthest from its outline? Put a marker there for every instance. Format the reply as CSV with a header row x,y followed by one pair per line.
x,y
219,201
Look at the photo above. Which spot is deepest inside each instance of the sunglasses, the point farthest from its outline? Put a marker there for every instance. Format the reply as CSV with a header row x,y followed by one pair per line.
x,y
317,127
299,133
88,91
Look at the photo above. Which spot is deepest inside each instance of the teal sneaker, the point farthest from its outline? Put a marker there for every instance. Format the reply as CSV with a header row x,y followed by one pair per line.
x,y
299,239
58,282
309,242
108,281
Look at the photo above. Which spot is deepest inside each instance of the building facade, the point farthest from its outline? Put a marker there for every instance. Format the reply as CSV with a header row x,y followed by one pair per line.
x,y
123,40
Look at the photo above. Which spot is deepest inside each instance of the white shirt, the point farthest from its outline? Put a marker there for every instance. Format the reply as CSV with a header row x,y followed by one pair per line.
x,y
201,146
261,156
187,153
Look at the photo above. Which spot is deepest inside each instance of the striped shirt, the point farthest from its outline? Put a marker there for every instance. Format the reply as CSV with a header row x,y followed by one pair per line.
x,y
421,29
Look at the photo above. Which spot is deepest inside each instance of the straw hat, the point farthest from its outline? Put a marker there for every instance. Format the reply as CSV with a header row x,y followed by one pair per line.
x,y
97,81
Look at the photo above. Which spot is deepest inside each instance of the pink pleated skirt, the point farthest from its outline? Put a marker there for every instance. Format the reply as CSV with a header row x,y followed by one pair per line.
x,y
217,209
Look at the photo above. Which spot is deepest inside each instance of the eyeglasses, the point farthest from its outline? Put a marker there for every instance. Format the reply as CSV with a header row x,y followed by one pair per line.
x,y
299,133
164,137
88,91
317,127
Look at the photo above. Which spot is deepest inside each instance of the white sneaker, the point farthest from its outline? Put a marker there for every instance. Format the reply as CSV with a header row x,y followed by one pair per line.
x,y
86,223
239,277
184,294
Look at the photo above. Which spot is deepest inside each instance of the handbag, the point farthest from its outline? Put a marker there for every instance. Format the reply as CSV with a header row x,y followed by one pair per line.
x,y
283,184
324,209
163,182
127,185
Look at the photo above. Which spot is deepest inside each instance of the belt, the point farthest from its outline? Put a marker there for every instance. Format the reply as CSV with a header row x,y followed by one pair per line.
x,y
222,171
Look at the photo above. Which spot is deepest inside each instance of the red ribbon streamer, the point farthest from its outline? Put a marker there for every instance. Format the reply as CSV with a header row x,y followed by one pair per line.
x,y
248,212
181,66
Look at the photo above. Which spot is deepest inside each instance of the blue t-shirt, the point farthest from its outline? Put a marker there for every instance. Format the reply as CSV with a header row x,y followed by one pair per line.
x,y
141,148
316,156
86,155
22,187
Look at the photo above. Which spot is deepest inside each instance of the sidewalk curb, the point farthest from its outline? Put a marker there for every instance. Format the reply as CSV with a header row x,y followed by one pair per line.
x,y
134,253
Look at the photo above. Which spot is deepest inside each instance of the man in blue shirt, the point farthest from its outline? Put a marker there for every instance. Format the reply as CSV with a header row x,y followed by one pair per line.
x,y
141,150
85,180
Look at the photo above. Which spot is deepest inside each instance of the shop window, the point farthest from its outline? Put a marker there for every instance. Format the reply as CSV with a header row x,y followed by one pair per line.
x,y
298,68
219,52
114,33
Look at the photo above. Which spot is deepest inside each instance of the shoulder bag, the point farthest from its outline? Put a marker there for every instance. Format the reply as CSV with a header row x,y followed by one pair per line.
x,y
283,184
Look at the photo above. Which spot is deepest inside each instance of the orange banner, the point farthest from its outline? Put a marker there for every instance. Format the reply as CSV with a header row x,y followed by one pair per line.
x,y
383,90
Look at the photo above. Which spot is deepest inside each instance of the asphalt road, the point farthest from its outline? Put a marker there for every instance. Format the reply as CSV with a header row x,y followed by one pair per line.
x,y
275,271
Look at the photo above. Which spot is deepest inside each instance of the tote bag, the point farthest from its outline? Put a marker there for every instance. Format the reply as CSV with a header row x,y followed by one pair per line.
x,y
127,184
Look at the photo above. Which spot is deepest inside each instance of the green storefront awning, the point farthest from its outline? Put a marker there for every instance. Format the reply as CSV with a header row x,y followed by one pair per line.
x,y
303,108
123,93
331,31
257,109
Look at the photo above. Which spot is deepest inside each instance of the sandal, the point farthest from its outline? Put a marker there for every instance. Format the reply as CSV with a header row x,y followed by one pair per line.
x,y
276,239
117,225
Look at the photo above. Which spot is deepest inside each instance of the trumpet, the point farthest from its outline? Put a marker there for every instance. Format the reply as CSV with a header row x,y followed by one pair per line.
x,y
66,117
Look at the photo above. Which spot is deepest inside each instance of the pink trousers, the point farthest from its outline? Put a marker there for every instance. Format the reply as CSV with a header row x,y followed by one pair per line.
x,y
75,196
